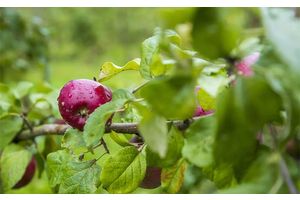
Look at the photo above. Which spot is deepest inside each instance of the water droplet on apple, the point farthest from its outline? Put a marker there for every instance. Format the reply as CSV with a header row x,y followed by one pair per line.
x,y
63,103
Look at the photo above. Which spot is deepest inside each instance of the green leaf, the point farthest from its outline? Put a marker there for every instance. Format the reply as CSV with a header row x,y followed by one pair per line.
x,y
172,178
73,140
222,175
120,139
241,112
213,79
71,175
282,29
14,161
124,171
260,177
254,93
171,97
206,101
180,53
6,100
198,147
150,48
216,31
56,162
10,126
22,89
109,69
154,130
289,91
80,178
95,125
173,37
175,144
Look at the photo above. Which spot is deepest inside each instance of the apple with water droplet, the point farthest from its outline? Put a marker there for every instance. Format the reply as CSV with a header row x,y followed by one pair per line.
x,y
79,98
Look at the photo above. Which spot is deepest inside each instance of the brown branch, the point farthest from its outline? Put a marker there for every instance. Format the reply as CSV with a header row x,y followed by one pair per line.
x,y
128,128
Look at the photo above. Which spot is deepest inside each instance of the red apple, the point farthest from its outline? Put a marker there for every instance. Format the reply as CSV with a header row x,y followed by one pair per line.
x,y
152,178
79,98
28,175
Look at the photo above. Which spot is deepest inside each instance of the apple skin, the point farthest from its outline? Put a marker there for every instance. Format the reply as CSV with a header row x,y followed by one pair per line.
x,y
28,175
201,112
152,178
244,66
79,98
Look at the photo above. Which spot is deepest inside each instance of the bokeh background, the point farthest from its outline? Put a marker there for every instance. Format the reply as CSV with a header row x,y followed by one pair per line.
x,y
59,44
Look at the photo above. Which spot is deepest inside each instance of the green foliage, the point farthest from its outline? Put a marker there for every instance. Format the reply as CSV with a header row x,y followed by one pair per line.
x,y
173,154
109,69
10,125
261,176
150,49
222,175
95,125
154,130
173,91
282,30
119,139
14,161
199,140
23,44
172,177
217,31
206,101
129,173
72,175
73,140
245,101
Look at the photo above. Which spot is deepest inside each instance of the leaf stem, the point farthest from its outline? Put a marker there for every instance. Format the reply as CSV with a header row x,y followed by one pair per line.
x,y
27,123
282,164
139,87
101,156
104,145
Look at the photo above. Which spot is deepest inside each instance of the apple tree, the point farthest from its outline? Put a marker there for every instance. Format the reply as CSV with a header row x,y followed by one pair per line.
x,y
227,117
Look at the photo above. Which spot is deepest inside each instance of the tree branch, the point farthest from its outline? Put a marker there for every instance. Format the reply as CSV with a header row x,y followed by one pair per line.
x,y
128,128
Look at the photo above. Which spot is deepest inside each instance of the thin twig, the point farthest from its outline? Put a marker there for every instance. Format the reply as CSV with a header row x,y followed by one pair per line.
x,y
27,123
287,177
104,145
139,87
282,164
